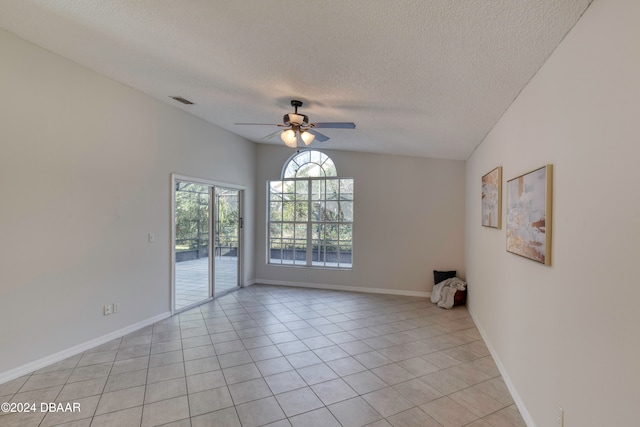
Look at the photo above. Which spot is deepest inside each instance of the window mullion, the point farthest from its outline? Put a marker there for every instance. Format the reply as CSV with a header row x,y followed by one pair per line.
x,y
309,231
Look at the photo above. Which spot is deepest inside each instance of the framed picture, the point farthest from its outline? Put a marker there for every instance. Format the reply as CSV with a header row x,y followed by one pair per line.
x,y
492,198
529,215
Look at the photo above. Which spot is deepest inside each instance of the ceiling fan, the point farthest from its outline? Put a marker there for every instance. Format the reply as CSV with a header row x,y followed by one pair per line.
x,y
297,125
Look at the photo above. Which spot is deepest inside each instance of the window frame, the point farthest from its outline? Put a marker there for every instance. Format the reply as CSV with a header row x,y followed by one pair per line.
x,y
329,171
310,225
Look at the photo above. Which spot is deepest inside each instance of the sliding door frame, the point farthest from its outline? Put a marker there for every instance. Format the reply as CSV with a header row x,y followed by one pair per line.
x,y
172,230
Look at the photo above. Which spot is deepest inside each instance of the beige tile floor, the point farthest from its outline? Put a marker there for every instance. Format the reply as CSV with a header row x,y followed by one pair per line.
x,y
281,356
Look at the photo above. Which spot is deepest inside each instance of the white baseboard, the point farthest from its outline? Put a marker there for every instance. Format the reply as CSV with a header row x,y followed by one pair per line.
x,y
249,283
526,416
76,349
345,288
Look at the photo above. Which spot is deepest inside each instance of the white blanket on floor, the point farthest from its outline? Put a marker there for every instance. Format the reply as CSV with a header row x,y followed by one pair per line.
x,y
444,292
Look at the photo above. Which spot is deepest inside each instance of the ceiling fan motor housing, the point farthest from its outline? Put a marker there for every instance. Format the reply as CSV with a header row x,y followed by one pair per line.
x,y
295,119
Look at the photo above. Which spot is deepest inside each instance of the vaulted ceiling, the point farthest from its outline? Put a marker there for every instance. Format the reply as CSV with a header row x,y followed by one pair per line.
x,y
418,77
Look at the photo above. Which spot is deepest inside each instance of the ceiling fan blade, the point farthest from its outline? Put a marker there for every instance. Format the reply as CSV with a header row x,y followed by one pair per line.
x,y
257,124
319,137
335,125
271,135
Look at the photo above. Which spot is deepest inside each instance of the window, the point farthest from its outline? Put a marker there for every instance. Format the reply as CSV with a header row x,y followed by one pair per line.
x,y
310,214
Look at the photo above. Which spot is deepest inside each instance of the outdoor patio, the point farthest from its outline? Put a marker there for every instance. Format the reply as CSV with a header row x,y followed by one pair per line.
x,y
192,284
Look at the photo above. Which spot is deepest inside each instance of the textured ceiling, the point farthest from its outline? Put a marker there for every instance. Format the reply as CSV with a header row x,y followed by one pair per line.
x,y
421,78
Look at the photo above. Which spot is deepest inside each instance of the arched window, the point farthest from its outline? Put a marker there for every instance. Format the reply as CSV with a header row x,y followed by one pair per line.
x,y
309,163
310,214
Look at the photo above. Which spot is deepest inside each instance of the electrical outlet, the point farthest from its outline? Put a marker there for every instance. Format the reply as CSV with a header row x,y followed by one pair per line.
x,y
151,237
116,307
107,309
560,417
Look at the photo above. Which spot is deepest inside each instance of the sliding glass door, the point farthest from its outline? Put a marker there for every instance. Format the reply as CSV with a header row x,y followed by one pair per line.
x,y
227,240
192,225
206,244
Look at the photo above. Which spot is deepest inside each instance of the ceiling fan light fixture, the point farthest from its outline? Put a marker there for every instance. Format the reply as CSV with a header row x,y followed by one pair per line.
x,y
297,119
289,138
307,137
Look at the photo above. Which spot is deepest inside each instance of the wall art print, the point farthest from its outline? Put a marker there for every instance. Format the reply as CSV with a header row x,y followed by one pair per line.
x,y
492,198
529,215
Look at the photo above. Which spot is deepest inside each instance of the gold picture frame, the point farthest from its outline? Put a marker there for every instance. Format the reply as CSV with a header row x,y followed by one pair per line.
x,y
492,198
529,215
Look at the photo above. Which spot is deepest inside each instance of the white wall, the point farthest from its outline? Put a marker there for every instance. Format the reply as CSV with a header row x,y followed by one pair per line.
x,y
568,334
408,221
85,166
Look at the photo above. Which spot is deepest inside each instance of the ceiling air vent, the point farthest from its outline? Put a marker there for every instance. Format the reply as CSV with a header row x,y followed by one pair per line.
x,y
181,99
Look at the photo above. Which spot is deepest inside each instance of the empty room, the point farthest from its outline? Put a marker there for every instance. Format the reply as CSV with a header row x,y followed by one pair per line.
x,y
329,213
